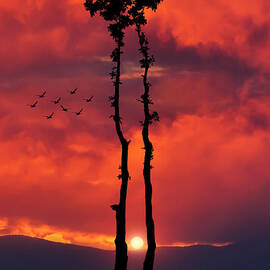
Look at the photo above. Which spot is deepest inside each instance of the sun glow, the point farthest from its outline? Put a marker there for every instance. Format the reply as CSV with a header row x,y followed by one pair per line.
x,y
136,242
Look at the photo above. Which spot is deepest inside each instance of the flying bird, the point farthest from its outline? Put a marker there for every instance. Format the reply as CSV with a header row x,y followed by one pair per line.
x,y
56,101
78,113
64,109
72,92
88,99
49,116
42,95
34,105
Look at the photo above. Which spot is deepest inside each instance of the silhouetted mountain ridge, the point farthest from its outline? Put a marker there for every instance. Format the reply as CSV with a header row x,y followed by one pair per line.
x,y
21,252
27,253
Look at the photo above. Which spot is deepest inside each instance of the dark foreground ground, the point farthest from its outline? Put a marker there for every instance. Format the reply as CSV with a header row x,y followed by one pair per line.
x,y
25,253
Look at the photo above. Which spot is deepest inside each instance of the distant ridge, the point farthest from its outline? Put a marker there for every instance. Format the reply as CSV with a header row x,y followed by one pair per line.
x,y
26,253
31,240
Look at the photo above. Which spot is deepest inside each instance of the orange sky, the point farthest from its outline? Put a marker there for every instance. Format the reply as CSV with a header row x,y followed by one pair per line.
x,y
210,86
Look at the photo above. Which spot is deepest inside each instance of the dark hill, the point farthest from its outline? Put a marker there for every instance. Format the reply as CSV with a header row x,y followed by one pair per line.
x,y
21,253
26,253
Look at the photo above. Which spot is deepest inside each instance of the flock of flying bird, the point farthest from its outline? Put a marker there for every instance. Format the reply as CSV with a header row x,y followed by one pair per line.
x,y
57,102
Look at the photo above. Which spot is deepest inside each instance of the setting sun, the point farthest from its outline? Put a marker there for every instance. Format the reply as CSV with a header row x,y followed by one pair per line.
x,y
136,242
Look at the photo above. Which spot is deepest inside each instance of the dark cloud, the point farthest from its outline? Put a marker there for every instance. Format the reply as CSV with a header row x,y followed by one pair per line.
x,y
258,34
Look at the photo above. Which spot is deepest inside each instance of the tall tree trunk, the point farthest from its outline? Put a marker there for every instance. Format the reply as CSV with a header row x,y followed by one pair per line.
x,y
121,257
146,62
116,12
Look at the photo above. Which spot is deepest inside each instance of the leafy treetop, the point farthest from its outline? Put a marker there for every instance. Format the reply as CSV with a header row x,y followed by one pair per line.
x,y
115,11
122,13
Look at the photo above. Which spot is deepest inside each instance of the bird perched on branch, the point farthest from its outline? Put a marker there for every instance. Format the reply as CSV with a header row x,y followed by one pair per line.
x,y
49,116
42,95
34,105
115,207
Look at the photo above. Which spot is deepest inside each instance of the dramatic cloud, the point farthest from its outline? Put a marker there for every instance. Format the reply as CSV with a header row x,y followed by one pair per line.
x,y
211,84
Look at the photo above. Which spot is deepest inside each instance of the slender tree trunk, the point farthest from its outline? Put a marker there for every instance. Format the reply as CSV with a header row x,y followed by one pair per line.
x,y
150,226
148,117
121,257
116,13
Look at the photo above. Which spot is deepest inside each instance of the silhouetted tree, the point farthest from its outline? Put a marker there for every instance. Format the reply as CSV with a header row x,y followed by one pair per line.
x,y
138,15
116,13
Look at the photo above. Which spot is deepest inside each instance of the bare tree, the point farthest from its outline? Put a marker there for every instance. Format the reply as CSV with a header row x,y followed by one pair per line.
x,y
116,13
137,12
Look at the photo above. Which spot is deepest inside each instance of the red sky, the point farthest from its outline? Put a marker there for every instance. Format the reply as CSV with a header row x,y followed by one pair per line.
x,y
211,87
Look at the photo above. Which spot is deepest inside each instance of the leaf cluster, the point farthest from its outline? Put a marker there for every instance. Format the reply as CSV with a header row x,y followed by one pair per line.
x,y
115,11
147,60
122,13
